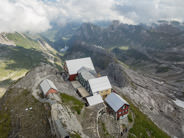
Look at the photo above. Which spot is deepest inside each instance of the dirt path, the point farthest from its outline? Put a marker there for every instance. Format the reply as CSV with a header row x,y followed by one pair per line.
x,y
130,125
98,115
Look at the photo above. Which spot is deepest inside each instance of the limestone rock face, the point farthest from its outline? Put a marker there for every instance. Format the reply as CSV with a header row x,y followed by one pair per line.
x,y
156,100
116,74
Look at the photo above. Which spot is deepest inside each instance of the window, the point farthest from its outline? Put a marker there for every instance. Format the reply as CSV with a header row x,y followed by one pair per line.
x,y
119,113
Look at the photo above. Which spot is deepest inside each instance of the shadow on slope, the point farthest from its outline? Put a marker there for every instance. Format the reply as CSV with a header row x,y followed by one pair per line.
x,y
22,58
100,57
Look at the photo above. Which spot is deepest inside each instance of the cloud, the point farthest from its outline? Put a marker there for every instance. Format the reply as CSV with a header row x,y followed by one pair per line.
x,y
21,15
148,11
89,10
36,15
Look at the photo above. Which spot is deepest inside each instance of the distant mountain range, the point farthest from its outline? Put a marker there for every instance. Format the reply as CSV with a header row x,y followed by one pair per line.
x,y
156,49
117,34
145,62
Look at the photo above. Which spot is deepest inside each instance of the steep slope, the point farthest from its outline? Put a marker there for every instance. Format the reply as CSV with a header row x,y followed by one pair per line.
x,y
19,53
4,40
116,34
22,115
160,36
25,112
58,35
157,100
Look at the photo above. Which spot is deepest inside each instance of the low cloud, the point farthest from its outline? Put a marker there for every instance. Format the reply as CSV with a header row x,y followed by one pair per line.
x,y
21,15
148,11
36,15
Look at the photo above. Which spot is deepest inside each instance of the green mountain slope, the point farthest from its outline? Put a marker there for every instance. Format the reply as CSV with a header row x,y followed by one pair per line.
x,y
16,60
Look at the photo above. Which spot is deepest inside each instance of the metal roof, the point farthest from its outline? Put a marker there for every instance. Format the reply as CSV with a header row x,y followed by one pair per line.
x,y
95,99
87,73
46,85
99,84
75,64
115,101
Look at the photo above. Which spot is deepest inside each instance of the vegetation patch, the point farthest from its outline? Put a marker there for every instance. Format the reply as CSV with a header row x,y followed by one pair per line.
x,y
22,41
103,130
124,48
133,54
5,124
143,127
174,58
16,61
179,80
75,135
75,104
20,112
130,119
162,69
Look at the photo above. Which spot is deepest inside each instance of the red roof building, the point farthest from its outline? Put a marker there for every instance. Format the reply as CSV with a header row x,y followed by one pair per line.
x,y
73,66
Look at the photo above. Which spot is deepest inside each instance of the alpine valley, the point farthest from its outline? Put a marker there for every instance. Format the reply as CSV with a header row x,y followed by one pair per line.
x,y
145,65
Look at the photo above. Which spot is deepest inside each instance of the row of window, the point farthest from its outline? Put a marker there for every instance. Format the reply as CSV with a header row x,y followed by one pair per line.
x,y
123,107
124,111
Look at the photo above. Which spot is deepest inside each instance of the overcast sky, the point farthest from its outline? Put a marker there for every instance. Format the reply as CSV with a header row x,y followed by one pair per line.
x,y
36,15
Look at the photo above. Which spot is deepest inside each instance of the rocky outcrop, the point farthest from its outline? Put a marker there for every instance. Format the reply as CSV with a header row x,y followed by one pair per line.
x,y
155,99
116,74
5,41
62,120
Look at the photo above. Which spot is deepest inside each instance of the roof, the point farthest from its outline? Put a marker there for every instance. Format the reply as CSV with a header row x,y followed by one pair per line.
x,y
99,84
46,85
94,100
75,64
115,101
83,92
87,73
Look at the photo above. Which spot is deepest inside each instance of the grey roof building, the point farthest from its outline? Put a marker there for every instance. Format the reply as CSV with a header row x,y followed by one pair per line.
x,y
115,101
85,74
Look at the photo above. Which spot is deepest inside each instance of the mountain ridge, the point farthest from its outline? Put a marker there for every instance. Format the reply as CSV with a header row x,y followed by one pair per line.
x,y
19,53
